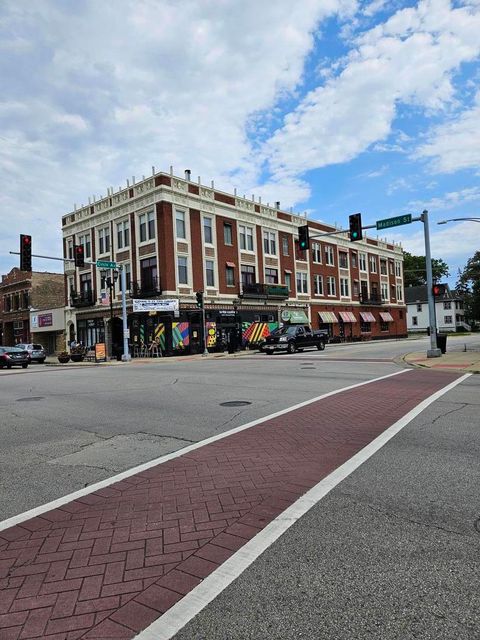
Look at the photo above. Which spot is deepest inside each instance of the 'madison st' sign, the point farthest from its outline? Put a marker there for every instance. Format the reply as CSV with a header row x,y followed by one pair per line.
x,y
394,222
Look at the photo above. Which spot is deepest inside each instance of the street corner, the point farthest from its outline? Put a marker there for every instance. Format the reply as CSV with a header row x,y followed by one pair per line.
x,y
468,362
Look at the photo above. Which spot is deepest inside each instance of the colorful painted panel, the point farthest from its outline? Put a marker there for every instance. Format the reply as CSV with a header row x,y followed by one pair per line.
x,y
180,335
160,335
211,334
256,331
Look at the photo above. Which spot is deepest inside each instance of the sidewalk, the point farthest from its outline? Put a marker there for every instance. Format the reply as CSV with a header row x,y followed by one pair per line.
x,y
108,561
461,361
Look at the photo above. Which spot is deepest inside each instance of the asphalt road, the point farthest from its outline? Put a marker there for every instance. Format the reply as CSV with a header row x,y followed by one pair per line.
x,y
392,552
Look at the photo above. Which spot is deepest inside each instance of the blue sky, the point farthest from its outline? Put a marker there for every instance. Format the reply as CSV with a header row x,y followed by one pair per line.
x,y
330,106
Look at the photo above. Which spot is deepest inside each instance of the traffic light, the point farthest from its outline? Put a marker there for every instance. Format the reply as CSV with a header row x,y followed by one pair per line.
x,y
355,224
199,296
79,255
439,290
25,252
303,239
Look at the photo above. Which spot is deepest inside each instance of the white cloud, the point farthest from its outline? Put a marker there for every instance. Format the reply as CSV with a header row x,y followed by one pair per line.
x,y
410,59
451,200
454,243
455,145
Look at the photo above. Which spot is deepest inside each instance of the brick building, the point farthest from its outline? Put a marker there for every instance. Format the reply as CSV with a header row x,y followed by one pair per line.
x,y
22,291
176,237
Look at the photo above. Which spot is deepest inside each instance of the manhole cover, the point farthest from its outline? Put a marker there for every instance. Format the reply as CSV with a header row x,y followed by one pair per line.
x,y
29,399
234,403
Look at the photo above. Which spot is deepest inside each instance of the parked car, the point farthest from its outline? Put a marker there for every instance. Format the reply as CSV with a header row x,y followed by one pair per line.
x,y
13,357
293,338
35,351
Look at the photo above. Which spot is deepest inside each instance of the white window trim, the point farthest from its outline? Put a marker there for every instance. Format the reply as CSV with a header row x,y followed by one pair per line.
x,y
187,226
362,257
215,273
320,278
271,235
122,223
332,279
212,228
148,240
102,230
246,226
189,273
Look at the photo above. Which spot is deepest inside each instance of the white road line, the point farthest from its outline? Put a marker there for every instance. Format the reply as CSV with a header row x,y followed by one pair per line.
x,y
187,608
37,511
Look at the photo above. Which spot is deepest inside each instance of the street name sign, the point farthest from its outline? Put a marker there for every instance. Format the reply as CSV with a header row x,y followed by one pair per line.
x,y
104,264
394,222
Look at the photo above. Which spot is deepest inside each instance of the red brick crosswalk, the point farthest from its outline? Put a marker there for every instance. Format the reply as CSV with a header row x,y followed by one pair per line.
x,y
108,564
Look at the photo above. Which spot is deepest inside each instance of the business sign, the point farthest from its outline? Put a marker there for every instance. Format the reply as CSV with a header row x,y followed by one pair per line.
x,y
294,316
45,320
105,264
100,352
394,222
142,306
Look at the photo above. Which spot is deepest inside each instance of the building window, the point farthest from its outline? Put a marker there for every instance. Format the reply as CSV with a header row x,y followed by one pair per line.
x,y
398,269
343,260
331,286
123,234
85,283
207,231
399,292
148,274
285,245
329,259
448,319
87,247
316,252
247,274
391,267
182,269
210,273
104,240
419,307
288,281
383,325
383,267
227,233
355,289
384,291
246,237
70,249
318,285
230,276
344,290
302,284
373,264
180,229
365,327
353,260
146,222
270,242
414,321
271,276
362,258
447,304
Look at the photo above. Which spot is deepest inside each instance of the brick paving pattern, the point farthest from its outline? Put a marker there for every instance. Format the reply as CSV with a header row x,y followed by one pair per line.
x,y
110,563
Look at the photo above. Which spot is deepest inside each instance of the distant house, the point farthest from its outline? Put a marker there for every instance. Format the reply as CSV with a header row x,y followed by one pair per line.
x,y
449,312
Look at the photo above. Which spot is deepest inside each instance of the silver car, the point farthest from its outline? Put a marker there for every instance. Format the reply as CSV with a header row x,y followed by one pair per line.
x,y
35,351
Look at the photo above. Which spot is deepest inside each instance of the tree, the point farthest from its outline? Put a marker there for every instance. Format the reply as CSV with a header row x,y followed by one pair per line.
x,y
468,286
415,271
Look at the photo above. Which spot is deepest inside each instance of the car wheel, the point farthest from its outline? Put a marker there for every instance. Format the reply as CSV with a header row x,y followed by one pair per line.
x,y
291,347
321,346
9,366
24,366
41,361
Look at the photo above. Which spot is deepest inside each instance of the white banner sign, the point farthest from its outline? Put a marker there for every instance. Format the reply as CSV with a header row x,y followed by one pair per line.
x,y
155,305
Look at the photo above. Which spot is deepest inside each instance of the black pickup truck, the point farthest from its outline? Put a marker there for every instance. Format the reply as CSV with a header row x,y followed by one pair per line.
x,y
294,337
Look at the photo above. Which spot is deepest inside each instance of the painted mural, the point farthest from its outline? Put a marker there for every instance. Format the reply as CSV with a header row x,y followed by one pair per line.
x,y
254,332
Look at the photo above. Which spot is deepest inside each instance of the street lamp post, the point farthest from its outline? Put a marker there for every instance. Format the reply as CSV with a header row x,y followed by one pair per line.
x,y
110,282
459,220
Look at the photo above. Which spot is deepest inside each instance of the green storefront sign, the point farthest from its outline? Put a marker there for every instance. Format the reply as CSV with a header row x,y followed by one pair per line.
x,y
277,291
394,222
294,316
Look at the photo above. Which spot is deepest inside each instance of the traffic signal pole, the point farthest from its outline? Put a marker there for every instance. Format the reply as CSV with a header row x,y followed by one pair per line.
x,y
434,351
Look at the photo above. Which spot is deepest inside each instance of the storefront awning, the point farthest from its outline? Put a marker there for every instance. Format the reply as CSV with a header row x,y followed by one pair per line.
x,y
347,316
327,316
385,316
230,264
367,316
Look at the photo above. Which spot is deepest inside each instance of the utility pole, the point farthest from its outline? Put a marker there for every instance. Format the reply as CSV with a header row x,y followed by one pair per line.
x,y
434,351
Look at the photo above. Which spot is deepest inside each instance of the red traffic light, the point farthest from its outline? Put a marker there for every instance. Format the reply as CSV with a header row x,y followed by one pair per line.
x,y
27,239
439,289
78,254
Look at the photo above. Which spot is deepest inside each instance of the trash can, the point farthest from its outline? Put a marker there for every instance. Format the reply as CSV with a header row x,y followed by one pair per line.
x,y
442,342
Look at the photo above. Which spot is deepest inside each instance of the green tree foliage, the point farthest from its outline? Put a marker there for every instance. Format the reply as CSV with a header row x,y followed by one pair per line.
x,y
468,286
415,273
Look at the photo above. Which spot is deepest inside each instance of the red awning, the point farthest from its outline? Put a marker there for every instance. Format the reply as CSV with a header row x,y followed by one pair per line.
x,y
230,264
385,316
347,316
367,316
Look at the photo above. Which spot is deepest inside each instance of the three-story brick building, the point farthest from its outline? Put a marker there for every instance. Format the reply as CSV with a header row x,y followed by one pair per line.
x,y
175,237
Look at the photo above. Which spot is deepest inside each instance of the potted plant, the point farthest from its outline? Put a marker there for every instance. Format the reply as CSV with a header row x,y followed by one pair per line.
x,y
77,353
63,357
